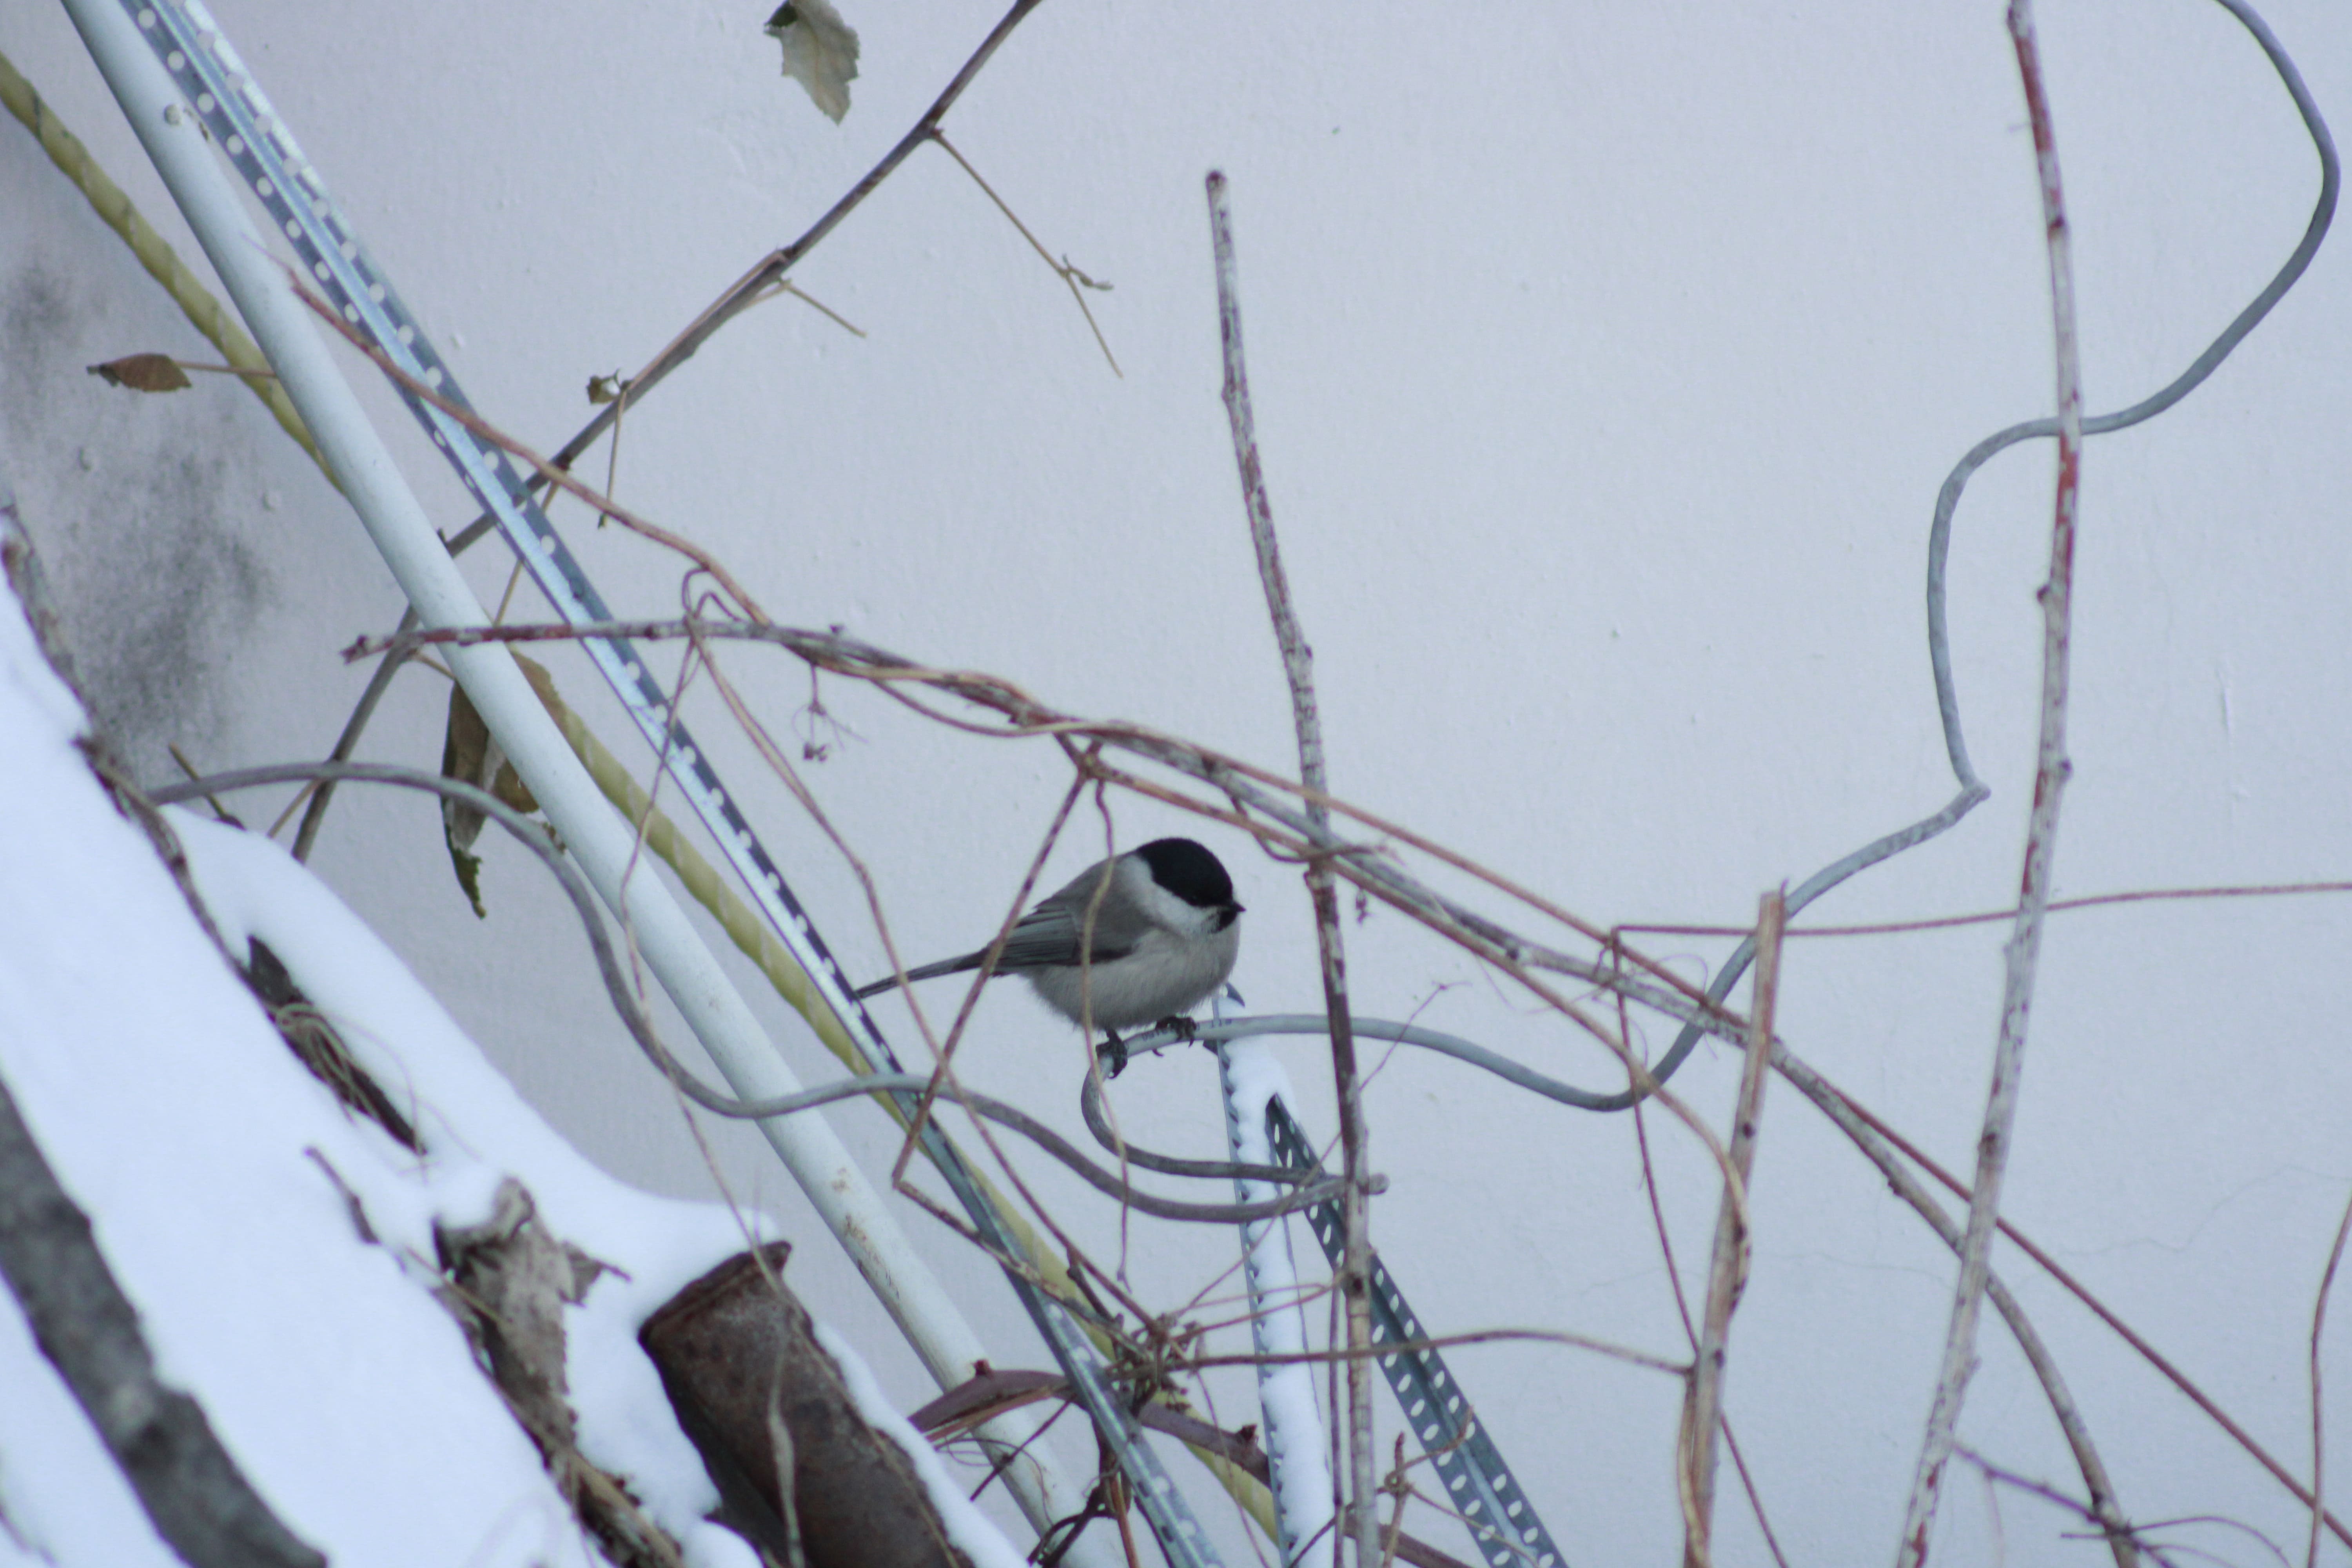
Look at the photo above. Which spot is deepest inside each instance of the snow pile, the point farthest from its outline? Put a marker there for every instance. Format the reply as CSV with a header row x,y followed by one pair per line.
x,y
480,1131
221,1179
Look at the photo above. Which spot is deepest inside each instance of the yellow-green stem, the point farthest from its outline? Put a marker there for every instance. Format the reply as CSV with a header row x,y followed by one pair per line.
x,y
154,253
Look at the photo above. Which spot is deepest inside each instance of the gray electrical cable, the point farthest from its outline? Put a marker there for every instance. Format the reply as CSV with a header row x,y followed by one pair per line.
x,y
535,837
1948,500
1453,1045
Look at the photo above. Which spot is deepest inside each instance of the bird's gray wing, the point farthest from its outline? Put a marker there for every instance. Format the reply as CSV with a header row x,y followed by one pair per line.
x,y
1119,924
1045,938
1048,936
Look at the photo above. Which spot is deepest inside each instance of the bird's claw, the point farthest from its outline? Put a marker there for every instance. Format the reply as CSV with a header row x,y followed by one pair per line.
x,y
1113,1050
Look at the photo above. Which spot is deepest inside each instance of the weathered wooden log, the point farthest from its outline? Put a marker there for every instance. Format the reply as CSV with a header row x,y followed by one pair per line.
x,y
738,1360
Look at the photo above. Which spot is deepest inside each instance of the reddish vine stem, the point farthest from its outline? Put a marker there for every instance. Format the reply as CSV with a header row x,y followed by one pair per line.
x,y
1877,1144
2318,1421
2051,770
1825,1094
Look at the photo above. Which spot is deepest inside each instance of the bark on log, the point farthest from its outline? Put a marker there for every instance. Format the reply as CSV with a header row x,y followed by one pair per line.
x,y
199,1500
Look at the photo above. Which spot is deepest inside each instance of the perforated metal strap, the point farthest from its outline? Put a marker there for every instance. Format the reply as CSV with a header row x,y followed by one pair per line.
x,y
232,106
338,268
1478,1485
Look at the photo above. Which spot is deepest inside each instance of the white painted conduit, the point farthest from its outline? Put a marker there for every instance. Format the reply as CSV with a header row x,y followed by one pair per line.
x,y
597,837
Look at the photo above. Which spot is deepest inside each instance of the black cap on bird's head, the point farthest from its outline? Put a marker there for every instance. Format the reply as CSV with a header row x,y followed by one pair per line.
x,y
1188,871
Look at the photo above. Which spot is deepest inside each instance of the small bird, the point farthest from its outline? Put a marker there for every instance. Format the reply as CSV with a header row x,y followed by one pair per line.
x,y
1166,933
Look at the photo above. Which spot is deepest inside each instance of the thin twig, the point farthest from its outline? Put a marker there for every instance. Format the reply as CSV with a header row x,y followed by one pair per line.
x,y
1989,917
1261,808
759,283
1387,1348
1728,1272
1865,1117
1398,1487
207,314
2318,1426
2071,1425
1650,1188
1068,274
2051,770
219,810
1993,1473
322,792
822,309
553,473
262,372
987,970
1298,669
1755,1498
2043,1490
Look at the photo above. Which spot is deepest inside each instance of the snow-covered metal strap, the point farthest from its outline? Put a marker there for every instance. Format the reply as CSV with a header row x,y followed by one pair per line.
x,y
231,105
1478,1485
1299,1475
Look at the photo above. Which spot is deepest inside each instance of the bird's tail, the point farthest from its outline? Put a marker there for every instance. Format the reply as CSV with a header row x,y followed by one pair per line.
x,y
928,972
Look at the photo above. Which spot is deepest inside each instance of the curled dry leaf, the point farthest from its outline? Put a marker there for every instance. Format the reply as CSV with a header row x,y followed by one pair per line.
x,y
148,373
471,754
820,52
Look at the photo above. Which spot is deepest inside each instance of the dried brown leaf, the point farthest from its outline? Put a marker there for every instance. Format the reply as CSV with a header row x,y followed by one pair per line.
x,y
146,372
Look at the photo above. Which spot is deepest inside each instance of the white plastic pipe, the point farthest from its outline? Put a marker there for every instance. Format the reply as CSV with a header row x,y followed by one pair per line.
x,y
598,835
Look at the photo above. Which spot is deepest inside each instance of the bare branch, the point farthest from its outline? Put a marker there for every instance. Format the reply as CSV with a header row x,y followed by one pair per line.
x,y
1440,1342
1989,917
2051,770
760,281
322,792
1298,669
1755,1498
554,474
1727,1275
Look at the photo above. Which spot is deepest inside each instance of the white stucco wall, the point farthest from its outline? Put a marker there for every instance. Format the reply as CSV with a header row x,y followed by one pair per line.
x,y
1607,362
